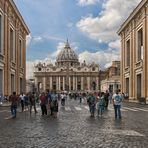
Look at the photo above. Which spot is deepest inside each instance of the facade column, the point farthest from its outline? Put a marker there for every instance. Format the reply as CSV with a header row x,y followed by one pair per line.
x,y
76,83
7,87
143,78
122,63
88,83
133,62
63,83
146,47
59,83
73,83
51,83
44,83
69,83
97,81
82,83
131,78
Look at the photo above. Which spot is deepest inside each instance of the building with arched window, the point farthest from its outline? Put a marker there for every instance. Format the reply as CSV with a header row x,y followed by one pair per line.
x,y
67,73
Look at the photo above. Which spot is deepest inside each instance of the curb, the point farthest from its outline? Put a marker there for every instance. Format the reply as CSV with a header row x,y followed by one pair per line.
x,y
135,101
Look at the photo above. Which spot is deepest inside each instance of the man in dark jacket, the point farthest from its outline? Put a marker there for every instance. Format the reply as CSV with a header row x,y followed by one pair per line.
x,y
14,100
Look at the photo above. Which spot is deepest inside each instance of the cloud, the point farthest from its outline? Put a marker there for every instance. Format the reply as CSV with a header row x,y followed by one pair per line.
x,y
60,46
28,40
87,2
104,59
115,44
37,39
103,28
30,66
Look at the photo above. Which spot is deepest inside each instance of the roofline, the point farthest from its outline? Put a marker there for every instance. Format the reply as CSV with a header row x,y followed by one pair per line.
x,y
133,13
19,15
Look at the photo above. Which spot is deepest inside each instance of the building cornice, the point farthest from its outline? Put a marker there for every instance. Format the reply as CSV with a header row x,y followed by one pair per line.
x,y
134,12
19,15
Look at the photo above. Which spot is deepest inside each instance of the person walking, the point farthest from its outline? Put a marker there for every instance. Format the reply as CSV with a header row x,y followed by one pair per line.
x,y
55,105
14,100
91,103
101,103
106,98
22,99
117,104
43,104
26,102
32,102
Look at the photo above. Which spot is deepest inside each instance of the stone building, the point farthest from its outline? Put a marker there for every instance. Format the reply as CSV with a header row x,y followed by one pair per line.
x,y
134,52
30,86
67,73
112,81
13,31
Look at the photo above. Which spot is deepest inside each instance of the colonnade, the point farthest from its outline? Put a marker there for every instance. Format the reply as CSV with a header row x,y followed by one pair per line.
x,y
71,83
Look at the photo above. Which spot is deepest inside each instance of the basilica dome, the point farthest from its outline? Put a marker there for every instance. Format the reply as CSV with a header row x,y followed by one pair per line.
x,y
67,55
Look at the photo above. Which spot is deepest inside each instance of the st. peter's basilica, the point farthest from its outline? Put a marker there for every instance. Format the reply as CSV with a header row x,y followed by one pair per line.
x,y
67,74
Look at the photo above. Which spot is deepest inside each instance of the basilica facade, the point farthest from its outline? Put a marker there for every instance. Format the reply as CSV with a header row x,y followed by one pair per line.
x,y
67,74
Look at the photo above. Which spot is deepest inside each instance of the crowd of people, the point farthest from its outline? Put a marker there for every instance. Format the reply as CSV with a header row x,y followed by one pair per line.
x,y
49,102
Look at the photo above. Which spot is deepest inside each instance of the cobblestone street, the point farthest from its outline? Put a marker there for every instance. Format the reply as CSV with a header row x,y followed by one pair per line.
x,y
74,128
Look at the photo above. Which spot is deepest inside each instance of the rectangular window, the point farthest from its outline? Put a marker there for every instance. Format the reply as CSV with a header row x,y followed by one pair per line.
x,y
12,83
140,45
127,85
20,47
139,86
128,53
12,50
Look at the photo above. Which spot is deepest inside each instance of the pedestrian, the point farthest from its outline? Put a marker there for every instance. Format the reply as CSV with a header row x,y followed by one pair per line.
x,y
32,102
91,103
117,104
110,97
22,100
14,100
55,106
101,104
106,98
80,98
43,104
26,101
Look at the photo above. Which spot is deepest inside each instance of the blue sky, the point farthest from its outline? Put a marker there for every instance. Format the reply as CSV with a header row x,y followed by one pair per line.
x,y
90,26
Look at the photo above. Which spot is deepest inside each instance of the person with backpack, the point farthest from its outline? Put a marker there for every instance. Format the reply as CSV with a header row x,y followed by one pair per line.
x,y
117,99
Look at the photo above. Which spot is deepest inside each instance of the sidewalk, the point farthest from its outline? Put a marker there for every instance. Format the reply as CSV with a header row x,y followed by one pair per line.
x,y
135,101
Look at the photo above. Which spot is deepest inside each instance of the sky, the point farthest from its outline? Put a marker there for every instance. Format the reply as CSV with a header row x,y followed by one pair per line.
x,y
90,25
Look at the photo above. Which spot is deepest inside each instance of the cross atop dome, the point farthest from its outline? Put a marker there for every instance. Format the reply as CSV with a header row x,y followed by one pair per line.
x,y
67,44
